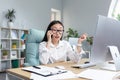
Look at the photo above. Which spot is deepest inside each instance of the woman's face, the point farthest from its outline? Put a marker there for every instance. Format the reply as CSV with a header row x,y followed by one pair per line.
x,y
57,31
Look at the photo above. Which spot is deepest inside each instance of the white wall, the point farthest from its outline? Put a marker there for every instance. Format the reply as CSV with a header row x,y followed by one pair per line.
x,y
79,14
29,13
82,14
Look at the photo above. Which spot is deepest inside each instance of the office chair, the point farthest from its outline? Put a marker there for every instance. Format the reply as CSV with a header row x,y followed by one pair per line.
x,y
32,47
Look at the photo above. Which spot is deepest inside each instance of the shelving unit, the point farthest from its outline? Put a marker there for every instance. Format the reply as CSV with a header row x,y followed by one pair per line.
x,y
12,41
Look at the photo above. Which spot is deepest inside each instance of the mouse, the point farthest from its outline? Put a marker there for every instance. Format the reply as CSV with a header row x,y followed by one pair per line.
x,y
60,67
86,62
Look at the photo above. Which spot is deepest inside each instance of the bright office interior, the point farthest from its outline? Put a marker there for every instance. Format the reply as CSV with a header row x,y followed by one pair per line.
x,y
81,15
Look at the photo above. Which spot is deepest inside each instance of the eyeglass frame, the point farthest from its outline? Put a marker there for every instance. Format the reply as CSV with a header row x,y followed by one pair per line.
x,y
60,31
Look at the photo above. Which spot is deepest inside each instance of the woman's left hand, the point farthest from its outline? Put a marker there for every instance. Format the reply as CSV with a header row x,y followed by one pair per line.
x,y
82,38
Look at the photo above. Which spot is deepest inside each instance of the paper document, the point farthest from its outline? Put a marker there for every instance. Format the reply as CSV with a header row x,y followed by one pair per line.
x,y
96,74
67,75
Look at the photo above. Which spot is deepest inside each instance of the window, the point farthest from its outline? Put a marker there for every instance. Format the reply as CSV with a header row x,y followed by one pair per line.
x,y
55,14
114,11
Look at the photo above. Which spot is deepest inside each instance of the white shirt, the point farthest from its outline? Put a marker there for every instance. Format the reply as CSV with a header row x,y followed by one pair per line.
x,y
58,53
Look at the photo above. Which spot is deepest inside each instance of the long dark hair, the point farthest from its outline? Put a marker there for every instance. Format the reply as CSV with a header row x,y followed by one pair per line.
x,y
49,28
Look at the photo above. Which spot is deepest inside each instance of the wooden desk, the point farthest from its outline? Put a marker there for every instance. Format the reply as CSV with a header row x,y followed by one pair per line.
x,y
26,75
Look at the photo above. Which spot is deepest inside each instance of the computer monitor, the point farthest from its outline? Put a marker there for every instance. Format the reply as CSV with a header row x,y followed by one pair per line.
x,y
107,34
73,41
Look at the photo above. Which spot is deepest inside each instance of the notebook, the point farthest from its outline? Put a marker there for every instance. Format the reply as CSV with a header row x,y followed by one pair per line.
x,y
96,74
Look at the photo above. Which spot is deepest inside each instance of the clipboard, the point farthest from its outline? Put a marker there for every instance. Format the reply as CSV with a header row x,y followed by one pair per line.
x,y
44,70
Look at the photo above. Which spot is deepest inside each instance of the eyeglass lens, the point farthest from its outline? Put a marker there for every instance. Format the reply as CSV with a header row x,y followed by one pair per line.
x,y
55,31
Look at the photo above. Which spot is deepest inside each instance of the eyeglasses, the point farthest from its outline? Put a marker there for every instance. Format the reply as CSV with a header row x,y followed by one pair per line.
x,y
55,31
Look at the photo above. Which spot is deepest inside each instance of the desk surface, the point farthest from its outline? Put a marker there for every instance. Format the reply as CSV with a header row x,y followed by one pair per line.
x,y
26,75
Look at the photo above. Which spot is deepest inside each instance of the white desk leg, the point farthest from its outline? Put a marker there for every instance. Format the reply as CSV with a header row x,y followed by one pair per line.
x,y
7,77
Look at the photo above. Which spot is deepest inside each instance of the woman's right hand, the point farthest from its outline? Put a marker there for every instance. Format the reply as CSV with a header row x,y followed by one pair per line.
x,y
49,35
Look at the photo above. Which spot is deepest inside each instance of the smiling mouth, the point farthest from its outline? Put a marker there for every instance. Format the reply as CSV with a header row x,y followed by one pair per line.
x,y
56,36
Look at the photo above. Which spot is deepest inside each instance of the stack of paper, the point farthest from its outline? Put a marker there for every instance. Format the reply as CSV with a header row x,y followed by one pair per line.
x,y
48,73
67,75
96,74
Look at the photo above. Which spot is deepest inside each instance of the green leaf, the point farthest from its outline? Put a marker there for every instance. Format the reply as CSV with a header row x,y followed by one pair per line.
x,y
10,15
71,33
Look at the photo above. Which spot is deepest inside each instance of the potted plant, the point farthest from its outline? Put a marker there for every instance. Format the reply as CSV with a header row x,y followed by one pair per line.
x,y
71,33
118,17
14,45
10,15
4,54
90,40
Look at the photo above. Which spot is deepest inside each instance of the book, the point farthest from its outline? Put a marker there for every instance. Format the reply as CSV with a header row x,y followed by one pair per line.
x,y
5,33
13,55
14,34
24,36
22,62
5,65
15,63
4,44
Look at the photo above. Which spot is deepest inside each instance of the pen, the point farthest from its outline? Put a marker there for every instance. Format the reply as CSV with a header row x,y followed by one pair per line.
x,y
36,67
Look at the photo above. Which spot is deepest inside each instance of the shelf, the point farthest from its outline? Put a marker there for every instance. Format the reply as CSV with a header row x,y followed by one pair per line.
x,y
5,59
12,40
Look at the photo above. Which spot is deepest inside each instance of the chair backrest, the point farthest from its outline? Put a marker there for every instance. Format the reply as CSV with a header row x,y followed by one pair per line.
x,y
32,46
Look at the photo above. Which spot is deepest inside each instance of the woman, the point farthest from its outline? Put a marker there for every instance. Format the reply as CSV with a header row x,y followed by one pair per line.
x,y
54,49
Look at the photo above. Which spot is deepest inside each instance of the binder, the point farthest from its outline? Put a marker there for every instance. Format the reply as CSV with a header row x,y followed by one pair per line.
x,y
15,63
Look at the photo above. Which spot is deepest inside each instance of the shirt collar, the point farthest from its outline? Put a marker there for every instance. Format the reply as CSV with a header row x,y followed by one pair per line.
x,y
59,44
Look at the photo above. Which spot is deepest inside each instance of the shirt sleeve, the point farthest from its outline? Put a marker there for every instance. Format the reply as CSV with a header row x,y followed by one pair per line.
x,y
44,53
72,53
